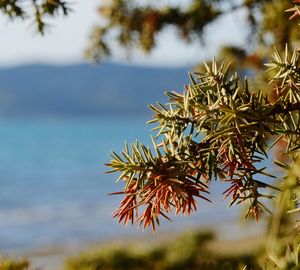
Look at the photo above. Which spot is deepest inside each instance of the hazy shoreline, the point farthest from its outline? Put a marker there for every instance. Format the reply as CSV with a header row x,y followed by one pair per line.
x,y
54,257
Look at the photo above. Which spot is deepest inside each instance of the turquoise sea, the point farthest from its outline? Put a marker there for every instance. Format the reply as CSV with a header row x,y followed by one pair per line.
x,y
53,186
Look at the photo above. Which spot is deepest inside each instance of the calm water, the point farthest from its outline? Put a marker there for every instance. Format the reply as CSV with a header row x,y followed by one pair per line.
x,y
53,189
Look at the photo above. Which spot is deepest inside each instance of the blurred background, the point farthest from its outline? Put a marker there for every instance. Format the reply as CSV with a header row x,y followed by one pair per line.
x,y
61,116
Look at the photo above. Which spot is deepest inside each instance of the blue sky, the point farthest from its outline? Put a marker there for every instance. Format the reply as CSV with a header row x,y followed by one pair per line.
x,y
67,38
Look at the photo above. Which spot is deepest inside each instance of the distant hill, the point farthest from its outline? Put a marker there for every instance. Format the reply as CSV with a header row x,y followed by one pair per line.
x,y
83,89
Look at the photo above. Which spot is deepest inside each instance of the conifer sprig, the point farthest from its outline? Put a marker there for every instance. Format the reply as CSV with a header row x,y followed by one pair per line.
x,y
36,10
216,129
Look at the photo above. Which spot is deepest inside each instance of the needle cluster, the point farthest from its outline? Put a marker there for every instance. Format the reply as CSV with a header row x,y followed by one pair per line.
x,y
36,10
217,128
